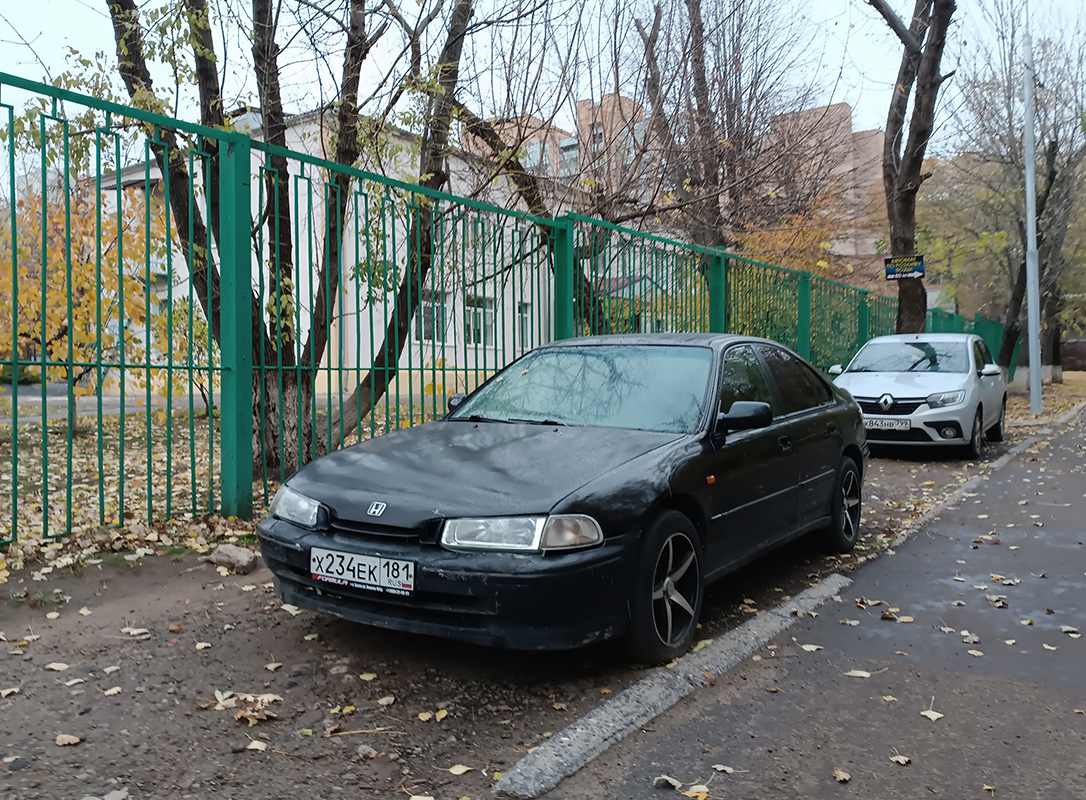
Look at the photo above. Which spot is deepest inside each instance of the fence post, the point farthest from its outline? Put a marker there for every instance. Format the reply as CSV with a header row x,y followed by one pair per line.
x,y
863,332
236,325
718,293
563,277
803,316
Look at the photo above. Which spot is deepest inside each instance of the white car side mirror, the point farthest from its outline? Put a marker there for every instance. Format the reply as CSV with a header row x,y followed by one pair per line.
x,y
836,369
988,370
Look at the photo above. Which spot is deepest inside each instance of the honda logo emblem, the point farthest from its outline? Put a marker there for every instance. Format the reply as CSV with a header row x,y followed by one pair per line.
x,y
376,509
886,402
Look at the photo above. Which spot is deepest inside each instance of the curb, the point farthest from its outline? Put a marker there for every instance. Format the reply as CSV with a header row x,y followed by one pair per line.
x,y
1065,419
571,749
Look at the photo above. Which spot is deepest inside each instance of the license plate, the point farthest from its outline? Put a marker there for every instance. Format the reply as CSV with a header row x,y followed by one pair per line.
x,y
376,573
877,424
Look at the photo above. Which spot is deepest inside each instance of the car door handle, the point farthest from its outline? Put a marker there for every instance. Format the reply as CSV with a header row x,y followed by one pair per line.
x,y
785,443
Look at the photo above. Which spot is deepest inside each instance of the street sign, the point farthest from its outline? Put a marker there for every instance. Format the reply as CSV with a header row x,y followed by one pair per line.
x,y
904,267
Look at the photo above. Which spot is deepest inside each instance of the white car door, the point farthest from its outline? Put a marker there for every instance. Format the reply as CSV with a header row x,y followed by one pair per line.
x,y
991,386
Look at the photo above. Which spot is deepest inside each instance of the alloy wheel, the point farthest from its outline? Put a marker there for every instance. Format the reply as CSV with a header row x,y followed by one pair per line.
x,y
850,506
676,589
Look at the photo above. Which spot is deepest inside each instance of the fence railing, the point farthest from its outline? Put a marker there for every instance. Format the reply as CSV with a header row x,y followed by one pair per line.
x,y
178,340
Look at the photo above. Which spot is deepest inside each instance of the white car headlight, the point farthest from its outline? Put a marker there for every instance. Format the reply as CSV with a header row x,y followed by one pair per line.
x,y
295,507
944,399
521,534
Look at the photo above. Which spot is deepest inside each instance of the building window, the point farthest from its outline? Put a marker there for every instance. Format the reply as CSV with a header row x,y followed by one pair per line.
x,y
597,135
479,322
524,324
430,321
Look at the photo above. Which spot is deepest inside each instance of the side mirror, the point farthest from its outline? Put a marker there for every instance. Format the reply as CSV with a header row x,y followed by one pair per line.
x,y
745,415
991,370
455,400
836,369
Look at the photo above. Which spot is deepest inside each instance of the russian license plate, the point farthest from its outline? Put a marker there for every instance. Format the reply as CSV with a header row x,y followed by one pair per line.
x,y
376,573
881,424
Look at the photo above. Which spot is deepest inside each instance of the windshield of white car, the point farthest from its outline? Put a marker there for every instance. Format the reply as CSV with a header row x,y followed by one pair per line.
x,y
914,356
643,387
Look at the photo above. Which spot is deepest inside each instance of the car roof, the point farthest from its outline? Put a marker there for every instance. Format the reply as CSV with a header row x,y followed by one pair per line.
x,y
714,340
925,337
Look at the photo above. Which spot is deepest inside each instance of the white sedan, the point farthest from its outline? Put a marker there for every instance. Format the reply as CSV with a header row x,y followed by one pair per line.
x,y
926,389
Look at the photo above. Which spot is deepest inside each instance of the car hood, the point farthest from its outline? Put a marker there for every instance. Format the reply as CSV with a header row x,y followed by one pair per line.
x,y
459,468
899,384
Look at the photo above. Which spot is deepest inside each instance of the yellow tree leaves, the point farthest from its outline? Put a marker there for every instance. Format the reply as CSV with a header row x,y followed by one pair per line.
x,y
74,283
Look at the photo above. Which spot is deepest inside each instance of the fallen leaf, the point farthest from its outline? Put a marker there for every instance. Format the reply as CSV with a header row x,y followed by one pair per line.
x,y
74,682
459,769
958,603
560,707
56,666
976,653
176,629
116,690
368,676
772,689
52,615
67,740
441,714
662,781
987,788
946,629
857,673
1068,629
841,776
222,570
1026,622
386,701
889,698
293,610
900,759
970,638
810,648
84,612
1049,647
724,769
1009,641
426,716
5,693
309,637
852,622
256,745
932,715
420,797
606,691
203,645
905,619
273,666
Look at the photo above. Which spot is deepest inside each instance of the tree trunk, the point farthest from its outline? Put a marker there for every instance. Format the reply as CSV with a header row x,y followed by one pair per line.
x,y
283,437
1012,327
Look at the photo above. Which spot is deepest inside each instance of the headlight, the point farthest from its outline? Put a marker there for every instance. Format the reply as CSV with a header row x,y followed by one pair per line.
x,y
944,399
295,507
521,534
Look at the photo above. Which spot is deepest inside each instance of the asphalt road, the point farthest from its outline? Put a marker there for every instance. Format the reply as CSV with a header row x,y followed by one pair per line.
x,y
978,600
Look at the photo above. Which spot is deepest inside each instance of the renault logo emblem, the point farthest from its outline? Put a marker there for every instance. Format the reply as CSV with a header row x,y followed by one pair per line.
x,y
886,402
376,509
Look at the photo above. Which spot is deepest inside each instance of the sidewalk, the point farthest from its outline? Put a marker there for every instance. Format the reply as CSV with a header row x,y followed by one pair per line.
x,y
977,600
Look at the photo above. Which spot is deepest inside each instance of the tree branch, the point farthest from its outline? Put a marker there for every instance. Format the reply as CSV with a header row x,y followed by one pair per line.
x,y
911,42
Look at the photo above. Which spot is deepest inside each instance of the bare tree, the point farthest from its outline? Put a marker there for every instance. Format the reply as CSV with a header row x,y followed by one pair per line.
x,y
924,39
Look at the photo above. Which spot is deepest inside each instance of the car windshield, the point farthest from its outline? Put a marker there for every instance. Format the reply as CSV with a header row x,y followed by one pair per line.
x,y
649,387
916,356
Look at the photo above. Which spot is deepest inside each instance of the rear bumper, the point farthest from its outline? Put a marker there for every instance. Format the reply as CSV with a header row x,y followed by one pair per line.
x,y
518,601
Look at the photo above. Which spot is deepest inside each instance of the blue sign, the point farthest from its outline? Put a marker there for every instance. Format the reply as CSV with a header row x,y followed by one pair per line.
x,y
901,267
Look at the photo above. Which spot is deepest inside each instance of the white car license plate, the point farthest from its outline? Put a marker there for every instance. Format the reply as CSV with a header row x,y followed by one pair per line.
x,y
377,573
880,424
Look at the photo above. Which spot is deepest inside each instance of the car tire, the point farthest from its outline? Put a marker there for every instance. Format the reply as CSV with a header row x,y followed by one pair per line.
x,y
844,530
995,433
665,603
975,448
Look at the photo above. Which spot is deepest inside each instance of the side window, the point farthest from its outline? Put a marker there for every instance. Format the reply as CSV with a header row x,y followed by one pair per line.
x,y
799,389
978,355
742,378
986,353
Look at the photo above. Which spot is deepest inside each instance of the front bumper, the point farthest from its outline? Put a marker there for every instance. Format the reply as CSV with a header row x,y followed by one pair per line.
x,y
925,427
514,600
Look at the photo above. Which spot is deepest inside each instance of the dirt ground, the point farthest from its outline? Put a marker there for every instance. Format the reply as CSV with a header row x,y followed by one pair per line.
x,y
137,659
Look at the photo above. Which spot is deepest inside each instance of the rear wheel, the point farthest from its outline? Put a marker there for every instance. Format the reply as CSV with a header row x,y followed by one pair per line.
x,y
995,433
975,448
667,591
844,530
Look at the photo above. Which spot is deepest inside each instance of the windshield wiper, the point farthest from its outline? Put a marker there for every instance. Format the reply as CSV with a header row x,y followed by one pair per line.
x,y
481,418
540,422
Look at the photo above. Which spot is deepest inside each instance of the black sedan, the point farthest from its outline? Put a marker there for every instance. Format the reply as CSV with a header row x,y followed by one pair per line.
x,y
588,491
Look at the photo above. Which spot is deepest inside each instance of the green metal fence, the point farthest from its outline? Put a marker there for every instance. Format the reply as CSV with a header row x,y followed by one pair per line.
x,y
177,342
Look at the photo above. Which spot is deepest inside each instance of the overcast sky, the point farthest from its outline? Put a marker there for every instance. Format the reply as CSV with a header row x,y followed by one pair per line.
x,y
855,39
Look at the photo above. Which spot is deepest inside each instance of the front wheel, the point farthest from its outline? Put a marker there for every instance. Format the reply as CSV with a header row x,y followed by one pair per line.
x,y
844,530
995,433
667,592
975,448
